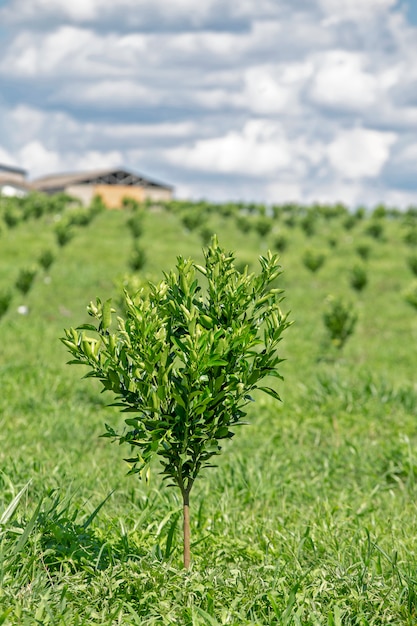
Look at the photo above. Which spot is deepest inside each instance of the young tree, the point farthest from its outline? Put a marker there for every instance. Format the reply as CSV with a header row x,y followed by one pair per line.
x,y
340,320
5,300
185,361
358,277
24,280
313,260
46,258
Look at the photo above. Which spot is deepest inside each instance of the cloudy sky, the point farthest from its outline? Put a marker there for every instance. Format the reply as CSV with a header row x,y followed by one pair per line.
x,y
266,100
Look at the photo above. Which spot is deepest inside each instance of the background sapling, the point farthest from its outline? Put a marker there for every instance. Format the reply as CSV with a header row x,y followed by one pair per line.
x,y
25,278
137,259
185,360
46,258
5,300
64,233
313,260
410,295
358,277
340,319
412,263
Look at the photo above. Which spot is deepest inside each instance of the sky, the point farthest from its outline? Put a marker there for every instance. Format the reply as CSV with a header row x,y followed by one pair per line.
x,y
257,100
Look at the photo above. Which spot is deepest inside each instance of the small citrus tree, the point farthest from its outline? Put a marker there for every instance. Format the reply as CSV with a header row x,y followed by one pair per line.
x,y
340,320
24,280
185,361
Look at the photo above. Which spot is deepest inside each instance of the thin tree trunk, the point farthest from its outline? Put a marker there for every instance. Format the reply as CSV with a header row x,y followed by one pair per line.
x,y
186,510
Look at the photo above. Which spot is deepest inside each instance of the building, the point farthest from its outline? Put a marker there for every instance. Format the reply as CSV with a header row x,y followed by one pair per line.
x,y
112,185
13,182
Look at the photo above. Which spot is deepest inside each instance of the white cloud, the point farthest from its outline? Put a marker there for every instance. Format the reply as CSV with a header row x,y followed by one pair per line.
x,y
119,94
26,120
77,10
75,51
206,43
30,122
274,89
395,198
138,131
284,191
265,92
6,158
140,13
37,159
65,51
335,189
409,154
95,159
341,81
260,149
360,152
337,10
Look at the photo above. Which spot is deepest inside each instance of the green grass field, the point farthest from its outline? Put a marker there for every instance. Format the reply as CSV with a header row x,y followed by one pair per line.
x,y
310,517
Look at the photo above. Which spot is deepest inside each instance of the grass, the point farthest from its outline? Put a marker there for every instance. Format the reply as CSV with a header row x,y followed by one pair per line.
x,y
310,516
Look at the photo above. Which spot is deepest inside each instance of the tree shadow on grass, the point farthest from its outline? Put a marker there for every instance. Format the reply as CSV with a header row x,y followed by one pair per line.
x,y
71,545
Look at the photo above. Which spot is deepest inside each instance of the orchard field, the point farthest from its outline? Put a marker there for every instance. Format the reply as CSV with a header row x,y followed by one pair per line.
x,y
310,516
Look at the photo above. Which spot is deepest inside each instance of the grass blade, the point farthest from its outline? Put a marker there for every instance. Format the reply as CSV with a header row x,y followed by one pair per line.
x,y
170,536
3,616
25,535
96,510
13,505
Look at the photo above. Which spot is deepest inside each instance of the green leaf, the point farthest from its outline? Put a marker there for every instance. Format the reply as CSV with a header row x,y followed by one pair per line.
x,y
221,433
216,361
275,372
180,344
110,432
86,327
208,619
106,315
131,421
270,392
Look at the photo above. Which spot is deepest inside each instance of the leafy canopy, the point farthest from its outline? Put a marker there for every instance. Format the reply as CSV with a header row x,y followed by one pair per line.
x,y
186,359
